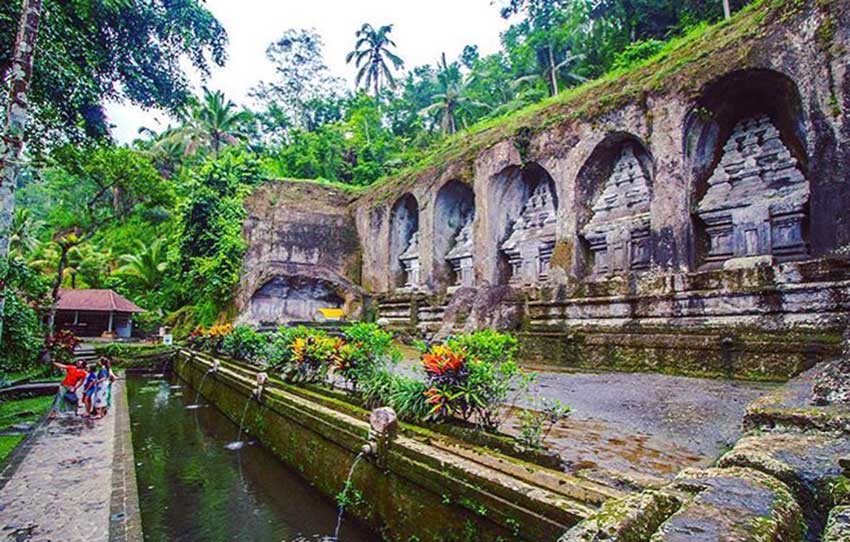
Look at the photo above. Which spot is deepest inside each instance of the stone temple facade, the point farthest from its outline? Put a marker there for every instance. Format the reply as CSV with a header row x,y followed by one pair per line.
x,y
698,225
757,197
619,232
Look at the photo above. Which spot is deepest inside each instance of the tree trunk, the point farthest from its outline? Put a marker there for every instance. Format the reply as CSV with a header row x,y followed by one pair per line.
x,y
13,131
727,10
553,75
57,285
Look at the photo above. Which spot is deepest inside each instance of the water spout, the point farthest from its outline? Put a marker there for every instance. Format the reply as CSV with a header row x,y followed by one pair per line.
x,y
383,429
238,443
343,496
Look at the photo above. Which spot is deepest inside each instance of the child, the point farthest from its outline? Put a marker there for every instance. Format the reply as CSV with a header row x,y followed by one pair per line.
x,y
89,389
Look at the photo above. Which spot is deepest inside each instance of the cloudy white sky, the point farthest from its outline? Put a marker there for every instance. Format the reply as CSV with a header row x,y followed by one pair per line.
x,y
422,31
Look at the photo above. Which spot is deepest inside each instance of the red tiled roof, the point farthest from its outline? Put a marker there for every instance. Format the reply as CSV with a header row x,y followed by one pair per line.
x,y
94,300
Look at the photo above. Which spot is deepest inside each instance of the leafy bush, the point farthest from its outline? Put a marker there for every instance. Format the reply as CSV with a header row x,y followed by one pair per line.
x,y
23,333
403,394
247,344
366,347
535,425
472,376
636,53
311,357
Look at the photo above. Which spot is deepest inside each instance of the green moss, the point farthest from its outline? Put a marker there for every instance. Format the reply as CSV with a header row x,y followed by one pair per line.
x,y
7,444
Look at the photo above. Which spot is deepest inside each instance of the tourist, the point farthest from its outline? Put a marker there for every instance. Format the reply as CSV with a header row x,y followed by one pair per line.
x,y
89,389
105,377
112,379
67,396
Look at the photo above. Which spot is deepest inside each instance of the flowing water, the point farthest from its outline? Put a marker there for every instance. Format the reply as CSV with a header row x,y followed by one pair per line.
x,y
192,489
238,443
345,490
196,405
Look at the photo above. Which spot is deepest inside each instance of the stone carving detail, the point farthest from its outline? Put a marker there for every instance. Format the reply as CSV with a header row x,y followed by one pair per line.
x,y
618,232
460,256
756,198
530,245
410,264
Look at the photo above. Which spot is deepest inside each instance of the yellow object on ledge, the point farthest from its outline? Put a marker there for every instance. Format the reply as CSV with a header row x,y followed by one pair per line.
x,y
331,314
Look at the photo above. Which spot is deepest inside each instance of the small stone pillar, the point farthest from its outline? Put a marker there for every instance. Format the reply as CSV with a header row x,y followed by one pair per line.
x,y
410,264
383,429
460,257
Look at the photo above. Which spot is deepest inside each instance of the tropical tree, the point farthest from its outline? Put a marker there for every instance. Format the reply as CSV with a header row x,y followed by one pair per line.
x,y
146,266
452,101
211,123
12,140
550,70
373,58
23,238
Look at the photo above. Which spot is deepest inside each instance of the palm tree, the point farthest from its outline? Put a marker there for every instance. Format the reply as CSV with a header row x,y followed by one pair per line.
x,y
22,239
727,10
210,123
146,267
452,101
550,70
370,55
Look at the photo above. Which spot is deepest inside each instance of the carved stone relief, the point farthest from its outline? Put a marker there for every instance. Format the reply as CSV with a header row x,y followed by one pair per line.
x,y
618,231
756,199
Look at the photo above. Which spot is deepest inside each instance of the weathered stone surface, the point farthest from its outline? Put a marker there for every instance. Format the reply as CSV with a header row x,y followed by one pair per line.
x,y
791,407
460,257
806,462
619,231
756,196
303,254
630,519
531,241
733,505
832,384
838,526
410,264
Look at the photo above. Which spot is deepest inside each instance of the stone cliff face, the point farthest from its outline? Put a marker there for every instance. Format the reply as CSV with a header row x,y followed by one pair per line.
x,y
695,207
303,254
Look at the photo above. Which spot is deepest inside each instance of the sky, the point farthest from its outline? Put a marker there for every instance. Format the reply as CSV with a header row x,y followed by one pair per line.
x,y
422,31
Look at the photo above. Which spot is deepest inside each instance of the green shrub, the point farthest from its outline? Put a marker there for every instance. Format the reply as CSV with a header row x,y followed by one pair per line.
x,y
473,376
367,347
535,425
403,394
246,344
636,53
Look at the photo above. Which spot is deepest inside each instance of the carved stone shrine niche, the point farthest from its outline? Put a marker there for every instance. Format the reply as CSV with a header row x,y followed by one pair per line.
x,y
757,197
618,232
531,241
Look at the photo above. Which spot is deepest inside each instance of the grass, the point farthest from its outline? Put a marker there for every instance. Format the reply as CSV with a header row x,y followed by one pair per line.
x,y
19,411
23,411
7,444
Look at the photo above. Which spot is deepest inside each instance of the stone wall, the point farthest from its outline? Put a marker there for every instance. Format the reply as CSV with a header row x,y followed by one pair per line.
x,y
422,486
303,254
698,203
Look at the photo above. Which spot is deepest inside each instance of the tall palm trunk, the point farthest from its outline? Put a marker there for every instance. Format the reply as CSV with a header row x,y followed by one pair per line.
x,y
727,10
16,120
57,285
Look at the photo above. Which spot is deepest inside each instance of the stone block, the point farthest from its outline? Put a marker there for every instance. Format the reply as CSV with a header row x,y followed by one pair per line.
x,y
631,519
806,463
733,505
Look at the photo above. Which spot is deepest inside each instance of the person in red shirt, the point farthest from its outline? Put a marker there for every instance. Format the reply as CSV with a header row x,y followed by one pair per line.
x,y
74,377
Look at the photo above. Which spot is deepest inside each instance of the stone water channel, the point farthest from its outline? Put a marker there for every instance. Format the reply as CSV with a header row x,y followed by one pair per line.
x,y
191,487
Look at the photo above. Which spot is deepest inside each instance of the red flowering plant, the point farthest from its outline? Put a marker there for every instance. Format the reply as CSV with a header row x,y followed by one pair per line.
x,y
61,346
472,376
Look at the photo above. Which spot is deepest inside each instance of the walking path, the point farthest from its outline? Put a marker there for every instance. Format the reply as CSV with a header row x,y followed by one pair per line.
x,y
62,488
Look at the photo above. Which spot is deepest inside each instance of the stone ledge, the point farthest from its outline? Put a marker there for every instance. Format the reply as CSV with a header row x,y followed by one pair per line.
x,y
838,526
630,519
806,463
733,505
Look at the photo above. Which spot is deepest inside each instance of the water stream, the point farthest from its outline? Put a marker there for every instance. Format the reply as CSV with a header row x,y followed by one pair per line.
x,y
191,488
344,494
196,404
238,443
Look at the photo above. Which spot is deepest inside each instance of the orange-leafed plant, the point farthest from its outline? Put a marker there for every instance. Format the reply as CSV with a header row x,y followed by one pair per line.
x,y
443,361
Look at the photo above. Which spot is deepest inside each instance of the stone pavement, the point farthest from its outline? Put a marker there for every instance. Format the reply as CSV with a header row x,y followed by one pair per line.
x,y
61,489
